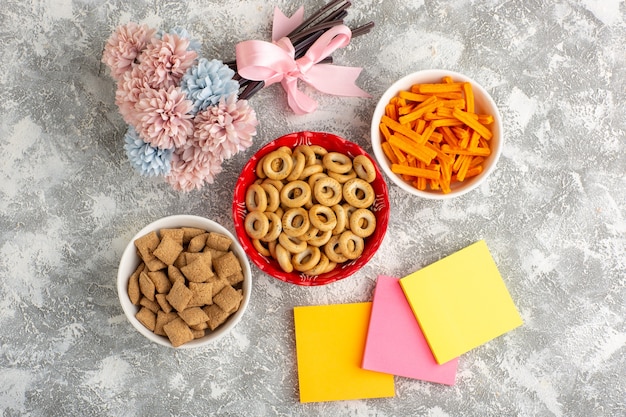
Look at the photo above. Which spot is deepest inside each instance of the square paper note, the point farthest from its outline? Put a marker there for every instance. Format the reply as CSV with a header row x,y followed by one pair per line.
x,y
329,347
395,343
461,302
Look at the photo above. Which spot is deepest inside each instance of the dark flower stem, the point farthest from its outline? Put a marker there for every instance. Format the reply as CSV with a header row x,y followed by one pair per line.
x,y
319,15
302,37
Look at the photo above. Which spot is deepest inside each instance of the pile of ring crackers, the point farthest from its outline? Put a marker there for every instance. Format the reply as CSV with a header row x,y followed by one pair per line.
x,y
188,282
310,208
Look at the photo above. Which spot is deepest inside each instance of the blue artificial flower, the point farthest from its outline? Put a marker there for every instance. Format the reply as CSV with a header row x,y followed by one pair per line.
x,y
194,44
146,159
207,82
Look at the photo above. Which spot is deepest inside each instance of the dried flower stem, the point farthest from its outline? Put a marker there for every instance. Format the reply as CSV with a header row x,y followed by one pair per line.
x,y
302,37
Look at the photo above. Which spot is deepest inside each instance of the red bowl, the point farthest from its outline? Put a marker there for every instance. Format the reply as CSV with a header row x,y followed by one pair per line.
x,y
269,265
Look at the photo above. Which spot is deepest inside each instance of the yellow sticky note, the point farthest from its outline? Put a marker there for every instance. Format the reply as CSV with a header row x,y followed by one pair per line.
x,y
461,302
330,340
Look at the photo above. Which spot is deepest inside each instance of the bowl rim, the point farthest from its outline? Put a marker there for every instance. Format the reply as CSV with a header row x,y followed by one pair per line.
x,y
129,254
435,74
269,266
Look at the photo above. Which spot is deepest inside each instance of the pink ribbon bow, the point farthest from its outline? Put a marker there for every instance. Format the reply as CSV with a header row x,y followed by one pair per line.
x,y
275,62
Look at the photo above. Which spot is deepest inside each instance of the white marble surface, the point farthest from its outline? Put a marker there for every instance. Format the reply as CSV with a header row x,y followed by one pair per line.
x,y
553,213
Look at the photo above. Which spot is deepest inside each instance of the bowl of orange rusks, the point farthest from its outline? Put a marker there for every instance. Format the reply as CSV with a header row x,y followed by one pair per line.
x,y
437,134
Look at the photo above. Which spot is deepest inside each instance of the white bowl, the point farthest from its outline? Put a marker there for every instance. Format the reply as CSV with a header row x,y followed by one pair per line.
x,y
130,260
483,104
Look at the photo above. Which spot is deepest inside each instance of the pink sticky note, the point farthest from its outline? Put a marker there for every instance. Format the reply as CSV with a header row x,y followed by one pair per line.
x,y
395,343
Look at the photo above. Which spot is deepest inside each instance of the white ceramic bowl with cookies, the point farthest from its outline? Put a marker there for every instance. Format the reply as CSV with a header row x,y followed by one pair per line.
x,y
237,294
484,105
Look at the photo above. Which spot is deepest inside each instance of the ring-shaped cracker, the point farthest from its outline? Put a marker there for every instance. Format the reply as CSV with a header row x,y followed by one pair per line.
x,y
285,149
309,234
342,178
307,152
327,191
337,162
272,248
275,227
351,245
260,247
277,164
310,170
276,183
320,268
256,224
306,259
322,217
296,221
256,198
331,249
349,210
295,194
321,238
318,150
362,222
331,265
258,169
273,196
313,178
283,256
364,168
342,219
299,162
352,190
291,243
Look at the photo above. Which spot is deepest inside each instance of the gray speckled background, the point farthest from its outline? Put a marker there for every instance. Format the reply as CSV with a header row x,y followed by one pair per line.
x,y
553,213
